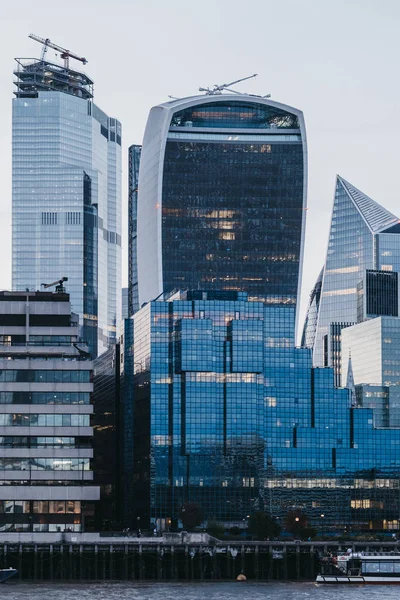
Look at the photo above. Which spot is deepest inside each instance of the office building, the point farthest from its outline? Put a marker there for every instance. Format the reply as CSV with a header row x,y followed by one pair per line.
x,y
378,295
134,153
107,442
66,200
228,414
374,347
46,480
310,324
125,310
221,200
363,236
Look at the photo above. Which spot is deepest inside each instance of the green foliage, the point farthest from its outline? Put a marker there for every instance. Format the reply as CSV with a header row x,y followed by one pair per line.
x,y
307,532
295,521
215,528
235,530
191,514
262,525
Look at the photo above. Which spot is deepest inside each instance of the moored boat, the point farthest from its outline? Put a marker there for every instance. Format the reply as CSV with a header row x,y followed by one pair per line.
x,y
360,567
6,574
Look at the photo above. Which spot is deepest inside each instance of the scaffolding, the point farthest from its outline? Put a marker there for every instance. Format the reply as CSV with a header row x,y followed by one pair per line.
x,y
35,75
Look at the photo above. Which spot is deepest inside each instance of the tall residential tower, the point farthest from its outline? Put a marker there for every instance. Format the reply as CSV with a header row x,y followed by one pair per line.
x,y
221,198
67,194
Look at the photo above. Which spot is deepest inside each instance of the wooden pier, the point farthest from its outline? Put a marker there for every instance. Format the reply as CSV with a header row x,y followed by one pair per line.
x,y
161,561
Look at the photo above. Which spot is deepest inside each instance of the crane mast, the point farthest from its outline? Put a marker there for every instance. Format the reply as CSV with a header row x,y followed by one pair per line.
x,y
60,289
64,53
217,89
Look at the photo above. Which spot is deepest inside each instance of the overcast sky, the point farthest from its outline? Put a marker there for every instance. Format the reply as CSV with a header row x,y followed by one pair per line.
x,y
337,60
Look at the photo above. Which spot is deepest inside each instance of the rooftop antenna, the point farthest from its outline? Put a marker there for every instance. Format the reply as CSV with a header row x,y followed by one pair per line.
x,y
217,89
64,53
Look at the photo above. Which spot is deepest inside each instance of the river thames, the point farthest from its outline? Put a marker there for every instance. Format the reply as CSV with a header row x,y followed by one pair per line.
x,y
195,591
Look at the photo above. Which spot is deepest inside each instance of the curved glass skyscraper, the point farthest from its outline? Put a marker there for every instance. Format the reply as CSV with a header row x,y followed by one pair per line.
x,y
222,197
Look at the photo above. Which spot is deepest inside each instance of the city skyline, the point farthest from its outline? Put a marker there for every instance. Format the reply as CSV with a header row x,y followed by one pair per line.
x,y
337,141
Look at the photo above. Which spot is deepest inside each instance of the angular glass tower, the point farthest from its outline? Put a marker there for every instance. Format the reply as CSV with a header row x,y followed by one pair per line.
x,y
67,195
222,197
363,235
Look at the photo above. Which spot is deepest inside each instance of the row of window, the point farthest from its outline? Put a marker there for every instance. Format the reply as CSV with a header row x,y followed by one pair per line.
x,y
34,420
44,398
41,376
42,527
45,464
10,441
55,507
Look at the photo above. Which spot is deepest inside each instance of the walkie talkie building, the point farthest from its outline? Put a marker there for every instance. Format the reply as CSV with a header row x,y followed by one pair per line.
x,y
221,198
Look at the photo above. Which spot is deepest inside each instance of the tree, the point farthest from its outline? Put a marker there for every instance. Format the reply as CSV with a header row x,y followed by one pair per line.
x,y
215,528
262,525
191,514
295,520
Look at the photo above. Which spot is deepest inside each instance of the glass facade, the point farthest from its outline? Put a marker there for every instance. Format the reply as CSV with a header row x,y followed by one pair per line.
x,y
232,217
107,438
222,198
311,320
363,235
67,200
378,295
133,183
230,415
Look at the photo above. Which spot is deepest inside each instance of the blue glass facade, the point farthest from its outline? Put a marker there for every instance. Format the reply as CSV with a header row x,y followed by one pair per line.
x,y
67,196
222,198
230,415
133,182
363,235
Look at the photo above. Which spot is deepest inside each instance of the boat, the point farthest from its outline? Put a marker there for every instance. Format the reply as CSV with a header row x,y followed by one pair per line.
x,y
7,573
360,568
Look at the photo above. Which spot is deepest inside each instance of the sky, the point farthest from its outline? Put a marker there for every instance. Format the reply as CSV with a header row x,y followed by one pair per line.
x,y
336,60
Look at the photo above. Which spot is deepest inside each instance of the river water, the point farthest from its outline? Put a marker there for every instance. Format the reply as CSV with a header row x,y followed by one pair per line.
x,y
194,591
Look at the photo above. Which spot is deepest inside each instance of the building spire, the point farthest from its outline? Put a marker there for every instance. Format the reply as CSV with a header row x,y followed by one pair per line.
x,y
350,382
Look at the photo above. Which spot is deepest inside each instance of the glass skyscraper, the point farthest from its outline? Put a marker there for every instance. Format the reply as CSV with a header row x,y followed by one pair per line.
x,y
228,414
363,235
67,195
221,198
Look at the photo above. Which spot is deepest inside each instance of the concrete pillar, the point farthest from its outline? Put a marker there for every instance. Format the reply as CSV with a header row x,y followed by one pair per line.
x,y
186,562
111,550
285,569
140,562
242,559
312,562
270,564
256,562
51,563
298,561
159,562
96,562
201,566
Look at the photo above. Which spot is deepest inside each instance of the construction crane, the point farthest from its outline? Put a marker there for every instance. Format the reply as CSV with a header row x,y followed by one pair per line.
x,y
60,289
64,53
217,89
